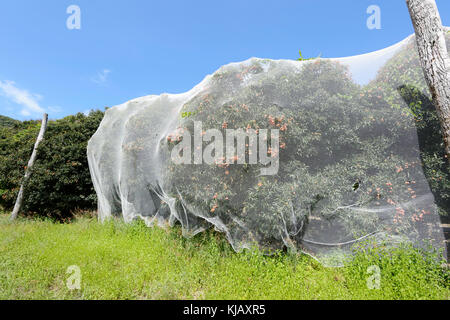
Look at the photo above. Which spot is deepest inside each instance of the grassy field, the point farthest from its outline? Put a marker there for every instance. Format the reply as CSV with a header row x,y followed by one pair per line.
x,y
119,261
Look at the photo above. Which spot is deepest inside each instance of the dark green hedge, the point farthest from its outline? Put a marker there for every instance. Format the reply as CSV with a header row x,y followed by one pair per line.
x,y
61,182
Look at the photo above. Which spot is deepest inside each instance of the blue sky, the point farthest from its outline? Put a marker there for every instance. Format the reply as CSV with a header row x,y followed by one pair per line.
x,y
128,49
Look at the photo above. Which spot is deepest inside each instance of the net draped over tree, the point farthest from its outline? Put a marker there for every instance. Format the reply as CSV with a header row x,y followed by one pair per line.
x,y
356,148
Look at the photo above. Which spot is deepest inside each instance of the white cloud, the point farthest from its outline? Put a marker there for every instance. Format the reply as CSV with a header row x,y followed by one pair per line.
x,y
27,100
101,77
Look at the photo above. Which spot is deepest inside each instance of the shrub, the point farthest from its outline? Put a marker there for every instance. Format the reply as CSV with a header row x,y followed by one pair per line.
x,y
16,145
7,122
60,181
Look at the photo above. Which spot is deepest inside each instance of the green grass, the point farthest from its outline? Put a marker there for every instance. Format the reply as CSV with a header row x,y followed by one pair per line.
x,y
120,261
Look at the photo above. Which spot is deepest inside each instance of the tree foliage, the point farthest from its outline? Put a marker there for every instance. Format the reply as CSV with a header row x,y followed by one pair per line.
x,y
8,122
60,182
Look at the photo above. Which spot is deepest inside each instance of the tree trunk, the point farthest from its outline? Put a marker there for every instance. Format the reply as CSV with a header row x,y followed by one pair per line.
x,y
430,37
27,176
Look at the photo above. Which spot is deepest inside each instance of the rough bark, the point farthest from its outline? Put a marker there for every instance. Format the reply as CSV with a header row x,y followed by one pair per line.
x,y
434,59
28,171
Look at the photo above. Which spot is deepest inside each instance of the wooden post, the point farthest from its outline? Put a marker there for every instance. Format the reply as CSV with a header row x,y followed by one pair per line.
x,y
434,59
27,176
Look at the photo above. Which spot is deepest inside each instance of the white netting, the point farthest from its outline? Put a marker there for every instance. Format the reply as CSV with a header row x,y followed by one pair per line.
x,y
336,158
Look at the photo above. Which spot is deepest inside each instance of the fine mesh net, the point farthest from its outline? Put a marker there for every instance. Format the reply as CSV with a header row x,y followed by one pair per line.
x,y
317,156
